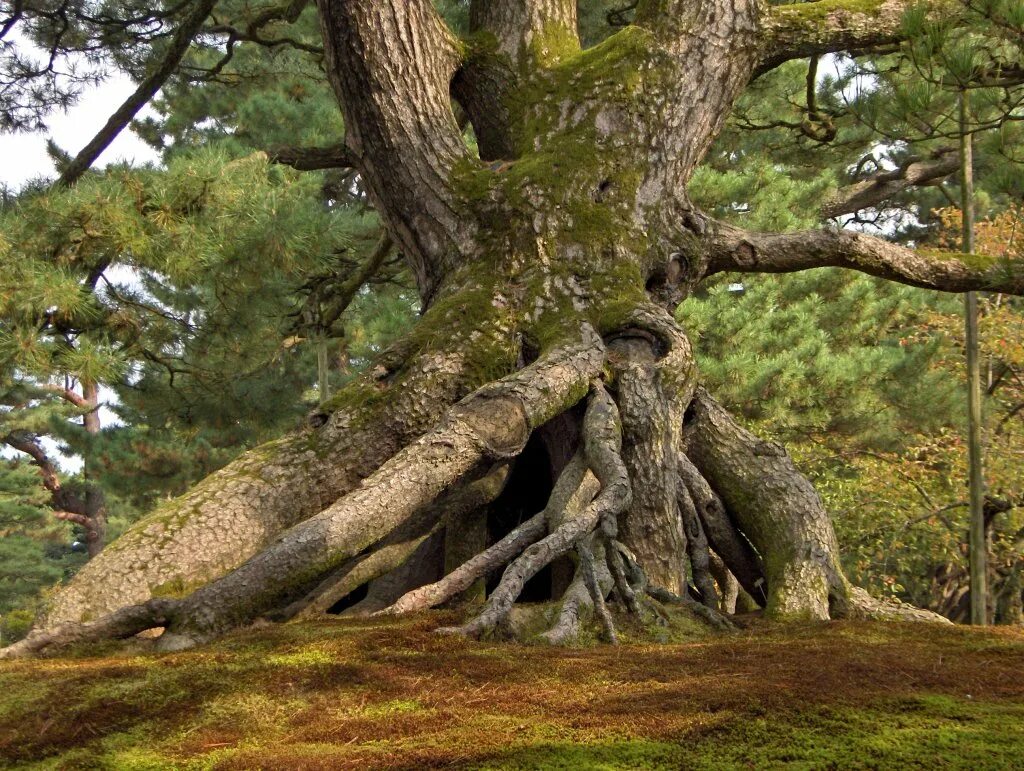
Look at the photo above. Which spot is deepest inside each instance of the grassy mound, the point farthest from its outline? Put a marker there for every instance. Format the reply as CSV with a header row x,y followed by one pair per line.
x,y
369,693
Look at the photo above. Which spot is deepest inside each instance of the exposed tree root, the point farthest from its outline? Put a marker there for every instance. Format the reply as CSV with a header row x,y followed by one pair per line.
x,y
494,422
863,605
653,364
781,513
576,606
588,569
401,544
617,568
710,616
776,507
575,488
118,625
740,510
723,536
697,547
602,444
728,586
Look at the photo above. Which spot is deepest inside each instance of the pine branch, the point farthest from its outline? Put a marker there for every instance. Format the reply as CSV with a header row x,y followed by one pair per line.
x,y
146,90
880,187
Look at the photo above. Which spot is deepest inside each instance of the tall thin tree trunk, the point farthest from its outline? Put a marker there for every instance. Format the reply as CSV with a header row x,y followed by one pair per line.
x,y
977,542
95,499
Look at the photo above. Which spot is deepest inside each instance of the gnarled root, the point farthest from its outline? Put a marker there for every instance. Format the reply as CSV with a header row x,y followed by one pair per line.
x,y
711,616
863,605
493,422
723,536
401,544
697,547
577,603
588,570
653,365
465,575
777,508
602,442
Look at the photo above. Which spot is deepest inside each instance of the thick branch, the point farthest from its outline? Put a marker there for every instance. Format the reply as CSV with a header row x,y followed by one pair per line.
x,y
390,63
732,249
880,187
801,30
527,28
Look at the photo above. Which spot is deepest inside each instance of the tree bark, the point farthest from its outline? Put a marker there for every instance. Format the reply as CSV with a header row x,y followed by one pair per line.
x,y
778,510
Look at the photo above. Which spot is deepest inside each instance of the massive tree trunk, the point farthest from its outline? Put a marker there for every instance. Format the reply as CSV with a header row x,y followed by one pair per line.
x,y
548,267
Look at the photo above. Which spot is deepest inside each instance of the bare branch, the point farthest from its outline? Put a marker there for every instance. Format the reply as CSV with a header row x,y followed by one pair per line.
x,y
876,189
744,251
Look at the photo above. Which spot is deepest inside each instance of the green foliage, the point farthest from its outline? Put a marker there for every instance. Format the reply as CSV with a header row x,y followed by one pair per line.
x,y
827,355
761,195
22,499
179,290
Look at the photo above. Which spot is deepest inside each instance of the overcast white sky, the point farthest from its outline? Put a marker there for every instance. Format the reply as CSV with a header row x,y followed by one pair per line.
x,y
23,156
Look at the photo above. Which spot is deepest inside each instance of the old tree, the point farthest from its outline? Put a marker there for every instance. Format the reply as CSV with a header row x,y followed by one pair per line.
x,y
548,260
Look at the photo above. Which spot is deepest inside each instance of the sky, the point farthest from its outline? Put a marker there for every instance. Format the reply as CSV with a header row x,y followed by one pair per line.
x,y
23,156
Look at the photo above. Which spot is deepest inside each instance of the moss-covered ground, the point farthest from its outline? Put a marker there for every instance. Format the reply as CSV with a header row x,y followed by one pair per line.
x,y
370,694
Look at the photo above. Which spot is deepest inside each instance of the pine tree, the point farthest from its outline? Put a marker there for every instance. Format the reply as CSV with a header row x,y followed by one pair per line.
x,y
547,247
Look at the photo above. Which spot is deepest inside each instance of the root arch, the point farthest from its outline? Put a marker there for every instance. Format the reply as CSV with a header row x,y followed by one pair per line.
x,y
665,498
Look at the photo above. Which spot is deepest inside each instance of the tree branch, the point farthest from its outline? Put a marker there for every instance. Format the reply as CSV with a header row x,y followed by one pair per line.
x,y
32,448
525,27
391,63
733,249
880,187
66,394
146,90
313,158
800,30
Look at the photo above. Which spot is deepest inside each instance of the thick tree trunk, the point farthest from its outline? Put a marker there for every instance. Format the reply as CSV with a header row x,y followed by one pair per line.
x,y
542,273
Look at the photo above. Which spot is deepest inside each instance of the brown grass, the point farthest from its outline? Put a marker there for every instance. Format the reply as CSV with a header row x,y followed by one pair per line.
x,y
370,694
